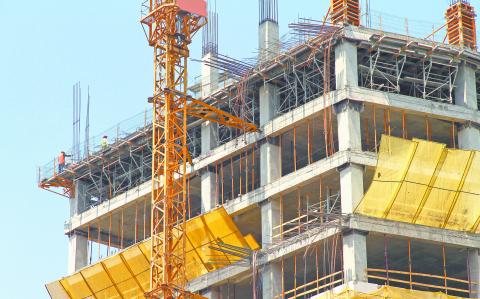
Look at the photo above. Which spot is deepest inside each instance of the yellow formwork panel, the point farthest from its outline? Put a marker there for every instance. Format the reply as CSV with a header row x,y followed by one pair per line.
x,y
422,182
127,274
386,292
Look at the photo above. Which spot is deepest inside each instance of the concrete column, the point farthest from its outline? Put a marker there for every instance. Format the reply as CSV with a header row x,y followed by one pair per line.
x,y
466,87
348,123
77,252
210,77
271,280
351,186
270,213
474,271
469,137
268,40
77,243
212,293
269,102
355,256
466,95
209,135
349,138
78,203
209,195
346,66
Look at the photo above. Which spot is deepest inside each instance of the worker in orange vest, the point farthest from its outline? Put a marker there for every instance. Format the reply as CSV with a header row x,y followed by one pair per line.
x,y
61,161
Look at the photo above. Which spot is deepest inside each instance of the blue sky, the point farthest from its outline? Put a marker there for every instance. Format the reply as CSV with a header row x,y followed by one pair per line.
x,y
47,46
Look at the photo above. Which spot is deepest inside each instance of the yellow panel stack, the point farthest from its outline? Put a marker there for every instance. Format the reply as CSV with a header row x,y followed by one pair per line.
x,y
127,274
425,183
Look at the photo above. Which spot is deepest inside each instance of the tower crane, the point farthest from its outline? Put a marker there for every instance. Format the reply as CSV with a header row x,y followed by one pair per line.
x,y
171,25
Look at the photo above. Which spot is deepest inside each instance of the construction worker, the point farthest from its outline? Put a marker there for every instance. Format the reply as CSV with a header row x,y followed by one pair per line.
x,y
104,142
61,161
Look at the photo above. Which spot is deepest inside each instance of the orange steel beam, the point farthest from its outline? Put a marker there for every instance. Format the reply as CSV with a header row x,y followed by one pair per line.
x,y
345,12
171,25
461,27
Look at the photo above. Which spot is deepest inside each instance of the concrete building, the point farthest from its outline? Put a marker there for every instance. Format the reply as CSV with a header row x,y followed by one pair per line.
x,y
321,106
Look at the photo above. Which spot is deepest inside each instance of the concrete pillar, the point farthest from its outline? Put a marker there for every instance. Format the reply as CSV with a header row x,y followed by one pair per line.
x,y
271,280
269,102
77,252
346,66
270,213
474,271
466,95
78,203
465,87
77,243
209,192
355,256
469,137
351,186
349,139
349,125
209,135
268,40
212,293
210,77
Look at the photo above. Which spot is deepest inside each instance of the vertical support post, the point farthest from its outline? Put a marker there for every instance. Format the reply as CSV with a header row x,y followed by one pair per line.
x,y
77,243
209,196
474,272
212,293
355,256
466,95
351,175
346,66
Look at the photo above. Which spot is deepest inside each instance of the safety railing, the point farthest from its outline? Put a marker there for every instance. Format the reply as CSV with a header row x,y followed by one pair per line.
x,y
313,287
94,144
410,279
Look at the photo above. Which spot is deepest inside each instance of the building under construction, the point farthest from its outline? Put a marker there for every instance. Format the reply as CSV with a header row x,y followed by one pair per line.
x,y
356,172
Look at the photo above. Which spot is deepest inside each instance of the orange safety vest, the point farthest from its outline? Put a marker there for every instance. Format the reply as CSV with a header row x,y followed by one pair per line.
x,y
61,159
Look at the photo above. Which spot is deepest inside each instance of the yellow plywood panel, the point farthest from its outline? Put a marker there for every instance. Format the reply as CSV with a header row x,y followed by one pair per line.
x,y
135,259
394,156
419,175
76,286
56,290
252,243
97,278
127,274
466,210
117,269
444,189
425,183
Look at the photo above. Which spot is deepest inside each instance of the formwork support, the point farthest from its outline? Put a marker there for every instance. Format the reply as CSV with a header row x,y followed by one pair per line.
x,y
461,28
345,12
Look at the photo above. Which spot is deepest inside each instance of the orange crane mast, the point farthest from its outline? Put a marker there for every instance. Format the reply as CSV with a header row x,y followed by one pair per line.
x,y
171,25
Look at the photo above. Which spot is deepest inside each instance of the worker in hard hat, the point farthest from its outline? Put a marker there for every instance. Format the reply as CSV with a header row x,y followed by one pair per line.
x,y
61,161
104,142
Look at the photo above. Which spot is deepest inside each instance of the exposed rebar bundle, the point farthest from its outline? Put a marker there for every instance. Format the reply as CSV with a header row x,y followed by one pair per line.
x,y
268,10
210,35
